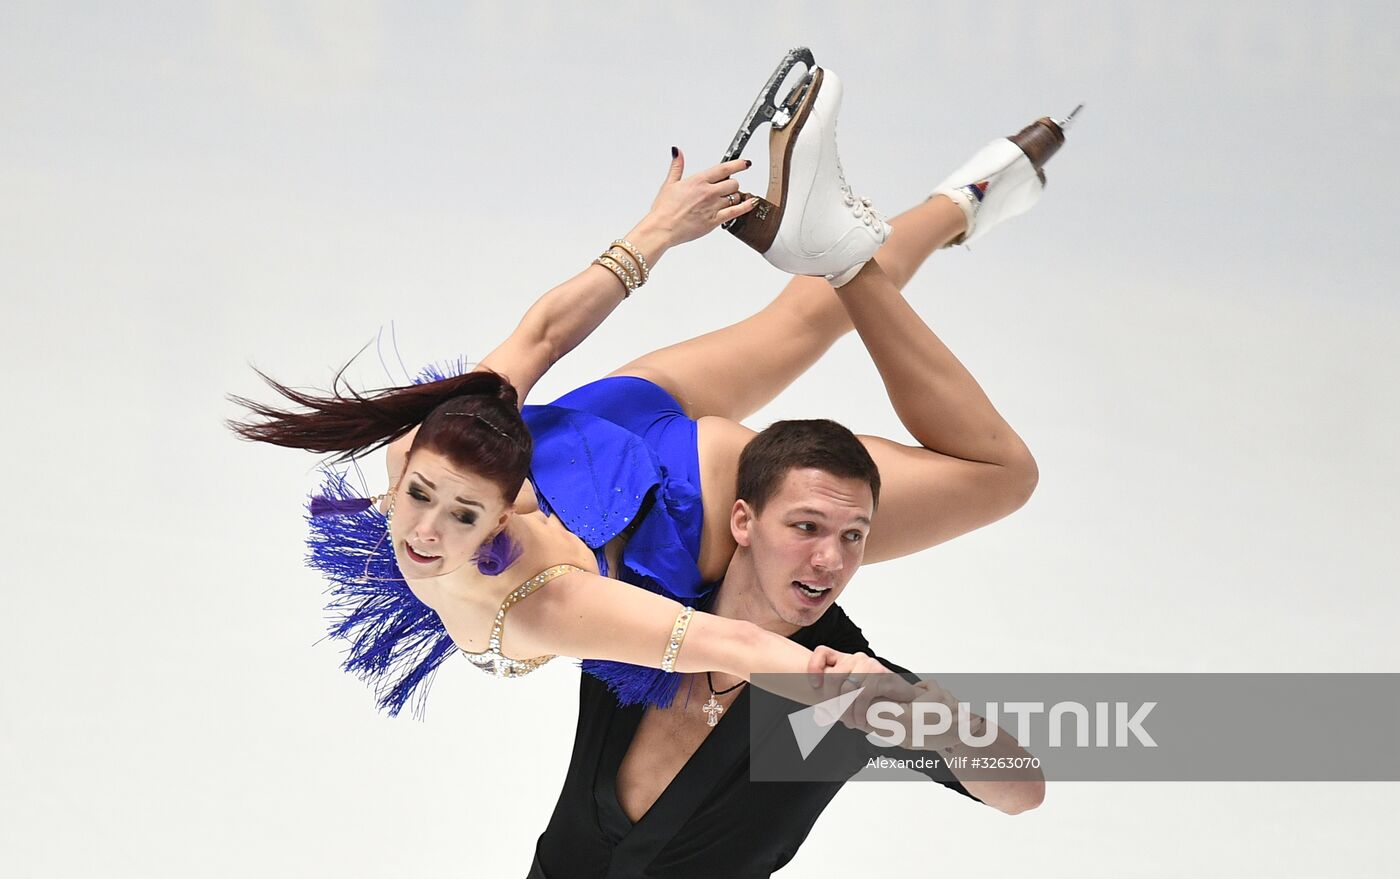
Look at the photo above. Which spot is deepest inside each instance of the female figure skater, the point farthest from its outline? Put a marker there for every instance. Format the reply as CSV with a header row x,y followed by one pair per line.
x,y
630,480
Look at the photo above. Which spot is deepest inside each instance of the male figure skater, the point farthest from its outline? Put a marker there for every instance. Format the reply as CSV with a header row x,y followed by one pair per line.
x,y
663,792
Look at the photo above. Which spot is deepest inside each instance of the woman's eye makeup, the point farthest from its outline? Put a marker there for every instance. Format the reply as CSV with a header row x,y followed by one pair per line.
x,y
464,517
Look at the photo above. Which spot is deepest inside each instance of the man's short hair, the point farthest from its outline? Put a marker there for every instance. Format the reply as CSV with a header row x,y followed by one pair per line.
x,y
816,443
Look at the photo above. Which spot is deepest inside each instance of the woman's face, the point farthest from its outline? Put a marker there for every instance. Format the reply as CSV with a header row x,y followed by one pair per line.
x,y
442,515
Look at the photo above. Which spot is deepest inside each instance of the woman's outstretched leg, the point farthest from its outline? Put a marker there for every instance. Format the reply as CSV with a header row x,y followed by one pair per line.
x,y
734,371
970,468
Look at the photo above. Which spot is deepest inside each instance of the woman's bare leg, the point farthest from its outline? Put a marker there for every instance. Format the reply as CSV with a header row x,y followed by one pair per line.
x,y
734,371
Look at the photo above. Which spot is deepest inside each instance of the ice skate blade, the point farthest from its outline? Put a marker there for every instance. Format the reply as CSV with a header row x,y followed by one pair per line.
x,y
764,107
759,227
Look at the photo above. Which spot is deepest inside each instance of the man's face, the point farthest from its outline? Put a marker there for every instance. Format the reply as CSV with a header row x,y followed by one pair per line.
x,y
808,541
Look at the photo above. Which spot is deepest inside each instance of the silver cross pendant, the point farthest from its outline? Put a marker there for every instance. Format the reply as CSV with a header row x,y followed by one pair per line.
x,y
713,710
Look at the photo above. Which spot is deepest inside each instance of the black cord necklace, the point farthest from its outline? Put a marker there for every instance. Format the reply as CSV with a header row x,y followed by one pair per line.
x,y
712,708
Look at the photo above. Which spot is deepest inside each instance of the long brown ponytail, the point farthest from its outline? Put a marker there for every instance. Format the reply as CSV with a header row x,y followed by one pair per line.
x,y
492,439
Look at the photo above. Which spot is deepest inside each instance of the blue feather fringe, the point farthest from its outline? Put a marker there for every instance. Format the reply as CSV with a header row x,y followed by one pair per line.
x,y
632,684
435,372
396,642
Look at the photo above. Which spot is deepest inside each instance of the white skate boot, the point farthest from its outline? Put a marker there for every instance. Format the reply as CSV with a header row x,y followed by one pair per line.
x,y
1005,178
810,223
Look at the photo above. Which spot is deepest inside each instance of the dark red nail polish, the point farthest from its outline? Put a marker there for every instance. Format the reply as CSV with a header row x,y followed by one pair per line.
x,y
674,152
748,163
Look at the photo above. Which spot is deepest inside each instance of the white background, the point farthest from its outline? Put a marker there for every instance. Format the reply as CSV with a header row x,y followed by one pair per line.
x,y
1193,332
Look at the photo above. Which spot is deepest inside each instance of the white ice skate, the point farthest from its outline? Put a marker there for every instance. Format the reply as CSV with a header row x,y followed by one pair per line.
x,y
810,222
1005,178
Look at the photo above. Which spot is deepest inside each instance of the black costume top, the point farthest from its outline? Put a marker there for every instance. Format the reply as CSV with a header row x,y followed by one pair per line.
x,y
711,820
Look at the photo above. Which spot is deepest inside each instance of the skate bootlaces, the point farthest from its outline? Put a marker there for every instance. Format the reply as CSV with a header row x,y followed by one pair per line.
x,y
861,208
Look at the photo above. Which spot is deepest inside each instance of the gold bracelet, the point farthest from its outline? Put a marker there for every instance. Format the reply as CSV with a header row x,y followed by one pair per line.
x,y
668,660
636,255
627,262
621,257
611,265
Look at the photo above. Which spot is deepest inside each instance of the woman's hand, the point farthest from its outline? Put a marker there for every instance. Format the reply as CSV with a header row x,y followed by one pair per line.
x,y
687,208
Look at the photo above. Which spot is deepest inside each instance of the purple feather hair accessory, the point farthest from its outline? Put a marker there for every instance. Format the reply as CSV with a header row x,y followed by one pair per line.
x,y
497,554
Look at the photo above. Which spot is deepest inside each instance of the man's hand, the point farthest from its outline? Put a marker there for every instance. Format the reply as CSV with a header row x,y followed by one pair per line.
x,y
838,673
931,691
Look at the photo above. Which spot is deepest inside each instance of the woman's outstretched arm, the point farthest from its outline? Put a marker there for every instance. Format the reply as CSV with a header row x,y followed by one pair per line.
x,y
591,617
684,210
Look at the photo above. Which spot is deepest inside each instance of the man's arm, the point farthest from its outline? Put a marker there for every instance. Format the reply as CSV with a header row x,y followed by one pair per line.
x,y
1012,797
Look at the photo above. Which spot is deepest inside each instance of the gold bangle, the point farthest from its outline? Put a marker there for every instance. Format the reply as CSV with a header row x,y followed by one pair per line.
x,y
636,256
617,265
668,660
611,265
620,256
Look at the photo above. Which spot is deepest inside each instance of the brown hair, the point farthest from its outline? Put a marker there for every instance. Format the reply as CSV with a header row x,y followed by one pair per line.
x,y
792,445
473,420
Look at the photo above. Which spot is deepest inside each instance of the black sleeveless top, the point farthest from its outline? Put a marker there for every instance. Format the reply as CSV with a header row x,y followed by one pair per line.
x,y
711,820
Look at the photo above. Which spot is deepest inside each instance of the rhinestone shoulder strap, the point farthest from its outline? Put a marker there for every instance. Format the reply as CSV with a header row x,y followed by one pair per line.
x,y
491,659
521,592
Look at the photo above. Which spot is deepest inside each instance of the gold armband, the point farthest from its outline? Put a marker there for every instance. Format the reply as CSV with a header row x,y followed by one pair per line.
x,y
668,660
